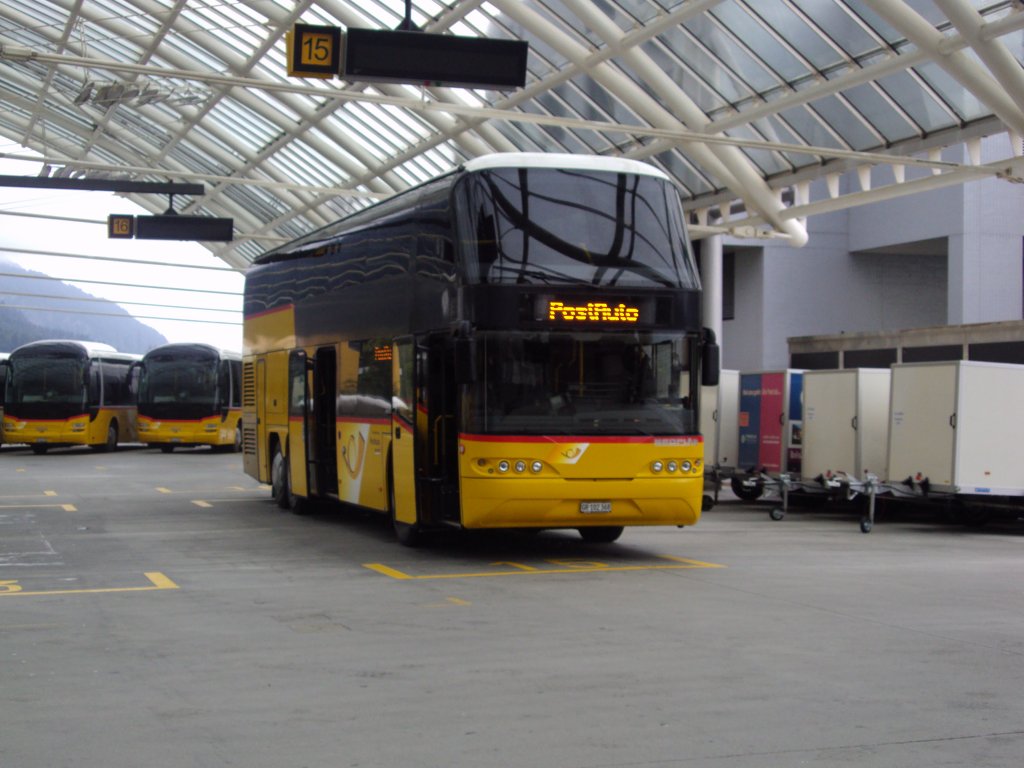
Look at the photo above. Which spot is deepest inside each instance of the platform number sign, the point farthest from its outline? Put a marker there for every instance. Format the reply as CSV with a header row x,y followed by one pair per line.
x,y
120,226
314,51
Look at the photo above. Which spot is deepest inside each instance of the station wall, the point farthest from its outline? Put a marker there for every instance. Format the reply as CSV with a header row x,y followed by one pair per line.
x,y
948,256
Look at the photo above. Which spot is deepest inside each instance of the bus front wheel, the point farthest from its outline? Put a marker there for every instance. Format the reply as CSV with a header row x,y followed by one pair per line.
x,y
604,534
111,442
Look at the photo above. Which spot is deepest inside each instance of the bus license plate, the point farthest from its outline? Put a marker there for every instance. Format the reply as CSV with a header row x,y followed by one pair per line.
x,y
595,507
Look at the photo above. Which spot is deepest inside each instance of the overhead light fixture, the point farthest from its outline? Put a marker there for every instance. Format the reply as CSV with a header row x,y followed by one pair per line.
x,y
151,95
109,93
84,94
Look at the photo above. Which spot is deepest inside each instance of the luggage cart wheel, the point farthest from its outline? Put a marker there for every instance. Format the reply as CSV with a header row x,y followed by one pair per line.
x,y
866,526
777,513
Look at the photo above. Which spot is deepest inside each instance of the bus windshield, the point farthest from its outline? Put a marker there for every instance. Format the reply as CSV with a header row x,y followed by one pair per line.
x,y
178,387
547,225
583,383
45,386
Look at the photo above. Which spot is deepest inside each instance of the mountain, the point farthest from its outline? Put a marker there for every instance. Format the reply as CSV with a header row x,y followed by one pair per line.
x,y
69,317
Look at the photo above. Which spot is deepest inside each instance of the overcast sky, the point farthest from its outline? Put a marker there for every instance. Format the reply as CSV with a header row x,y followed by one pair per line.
x,y
19,235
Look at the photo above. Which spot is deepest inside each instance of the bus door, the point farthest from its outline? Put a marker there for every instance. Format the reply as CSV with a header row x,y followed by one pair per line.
x,y
323,453
298,422
254,387
402,475
436,429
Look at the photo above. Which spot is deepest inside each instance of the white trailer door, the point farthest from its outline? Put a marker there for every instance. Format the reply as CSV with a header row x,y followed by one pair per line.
x,y
872,421
921,435
830,436
989,425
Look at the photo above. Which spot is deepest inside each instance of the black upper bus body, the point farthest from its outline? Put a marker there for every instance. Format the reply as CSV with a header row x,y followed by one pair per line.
x,y
569,276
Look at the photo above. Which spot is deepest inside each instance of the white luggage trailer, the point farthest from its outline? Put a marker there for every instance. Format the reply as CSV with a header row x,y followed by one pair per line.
x,y
955,430
845,436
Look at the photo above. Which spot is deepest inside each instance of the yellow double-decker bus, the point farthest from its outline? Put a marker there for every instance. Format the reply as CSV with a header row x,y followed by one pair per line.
x,y
516,344
190,395
61,393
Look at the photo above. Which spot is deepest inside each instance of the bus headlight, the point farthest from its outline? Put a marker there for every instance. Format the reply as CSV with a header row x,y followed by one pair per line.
x,y
671,466
536,467
520,466
656,466
78,426
503,466
685,466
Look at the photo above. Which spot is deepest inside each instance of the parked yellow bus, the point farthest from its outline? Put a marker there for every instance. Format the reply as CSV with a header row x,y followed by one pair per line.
x,y
516,344
189,395
61,393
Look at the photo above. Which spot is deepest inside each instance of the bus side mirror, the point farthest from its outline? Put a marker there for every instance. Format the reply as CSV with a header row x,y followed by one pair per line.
x,y
710,362
465,360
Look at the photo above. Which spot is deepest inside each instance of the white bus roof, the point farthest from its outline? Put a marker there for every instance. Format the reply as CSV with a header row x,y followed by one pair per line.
x,y
224,354
563,161
92,349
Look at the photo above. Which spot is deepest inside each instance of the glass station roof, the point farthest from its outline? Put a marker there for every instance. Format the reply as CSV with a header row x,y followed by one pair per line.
x,y
744,102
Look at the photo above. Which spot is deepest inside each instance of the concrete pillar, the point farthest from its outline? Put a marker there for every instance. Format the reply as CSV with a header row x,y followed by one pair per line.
x,y
985,278
711,278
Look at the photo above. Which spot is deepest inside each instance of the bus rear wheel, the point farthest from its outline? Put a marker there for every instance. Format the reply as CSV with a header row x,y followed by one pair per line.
x,y
407,535
279,478
111,442
604,534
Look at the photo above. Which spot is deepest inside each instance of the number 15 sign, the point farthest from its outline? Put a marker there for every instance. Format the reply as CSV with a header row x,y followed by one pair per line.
x,y
314,51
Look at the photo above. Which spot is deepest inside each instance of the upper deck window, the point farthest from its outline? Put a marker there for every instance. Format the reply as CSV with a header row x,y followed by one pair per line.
x,y
541,226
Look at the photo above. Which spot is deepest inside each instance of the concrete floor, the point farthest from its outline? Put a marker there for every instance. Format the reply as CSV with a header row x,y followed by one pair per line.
x,y
159,610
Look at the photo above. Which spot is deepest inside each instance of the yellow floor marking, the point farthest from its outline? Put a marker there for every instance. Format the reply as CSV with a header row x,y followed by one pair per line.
x,y
157,579
684,564
65,507
211,502
8,496
692,563
448,601
387,571
239,488
160,581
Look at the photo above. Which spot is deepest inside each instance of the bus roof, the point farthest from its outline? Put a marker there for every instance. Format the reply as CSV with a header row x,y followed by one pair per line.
x,y
562,161
185,346
556,160
90,349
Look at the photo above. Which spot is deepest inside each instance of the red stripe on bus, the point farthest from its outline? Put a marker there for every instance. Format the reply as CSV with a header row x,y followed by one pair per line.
x,y
667,440
54,421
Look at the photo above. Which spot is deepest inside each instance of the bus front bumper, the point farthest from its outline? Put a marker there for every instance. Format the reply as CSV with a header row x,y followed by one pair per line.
x,y
564,503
